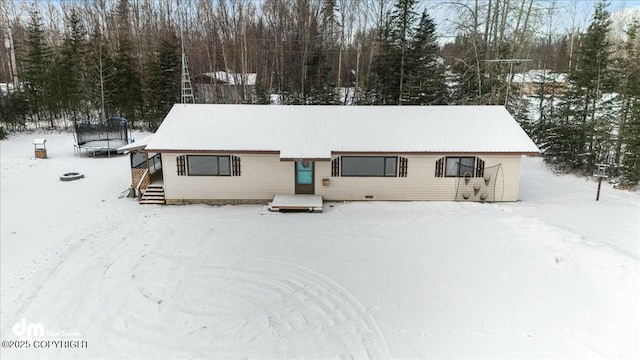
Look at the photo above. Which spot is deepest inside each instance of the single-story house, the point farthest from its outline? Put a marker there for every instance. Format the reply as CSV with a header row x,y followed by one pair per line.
x,y
221,154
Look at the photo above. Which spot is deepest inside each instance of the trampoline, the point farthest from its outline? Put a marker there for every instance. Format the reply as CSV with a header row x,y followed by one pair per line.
x,y
101,137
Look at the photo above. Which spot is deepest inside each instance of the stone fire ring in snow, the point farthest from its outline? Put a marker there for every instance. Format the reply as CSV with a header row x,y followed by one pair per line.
x,y
70,176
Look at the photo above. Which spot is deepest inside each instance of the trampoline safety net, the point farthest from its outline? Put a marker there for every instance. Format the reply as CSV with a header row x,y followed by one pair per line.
x,y
114,129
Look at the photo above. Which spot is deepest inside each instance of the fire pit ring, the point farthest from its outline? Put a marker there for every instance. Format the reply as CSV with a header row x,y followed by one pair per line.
x,y
70,176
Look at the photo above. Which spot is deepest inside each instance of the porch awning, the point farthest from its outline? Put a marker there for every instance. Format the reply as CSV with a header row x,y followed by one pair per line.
x,y
137,145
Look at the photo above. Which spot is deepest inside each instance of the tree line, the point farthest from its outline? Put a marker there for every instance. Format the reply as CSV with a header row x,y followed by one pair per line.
x,y
93,59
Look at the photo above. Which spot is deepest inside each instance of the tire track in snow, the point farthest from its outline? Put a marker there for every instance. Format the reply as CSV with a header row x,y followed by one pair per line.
x,y
171,302
257,308
49,272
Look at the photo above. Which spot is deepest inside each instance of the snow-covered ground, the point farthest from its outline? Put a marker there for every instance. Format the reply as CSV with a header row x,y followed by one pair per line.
x,y
552,276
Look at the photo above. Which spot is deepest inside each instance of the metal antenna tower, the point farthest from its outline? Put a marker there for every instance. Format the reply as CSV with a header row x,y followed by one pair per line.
x,y
186,96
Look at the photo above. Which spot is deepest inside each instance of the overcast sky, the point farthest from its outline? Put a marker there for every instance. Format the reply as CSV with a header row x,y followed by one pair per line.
x,y
566,14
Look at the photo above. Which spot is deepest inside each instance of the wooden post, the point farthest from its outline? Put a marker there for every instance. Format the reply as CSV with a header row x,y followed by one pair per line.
x,y
601,173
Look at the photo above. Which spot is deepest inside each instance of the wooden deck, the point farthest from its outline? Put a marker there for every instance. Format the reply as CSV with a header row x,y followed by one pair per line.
x,y
310,203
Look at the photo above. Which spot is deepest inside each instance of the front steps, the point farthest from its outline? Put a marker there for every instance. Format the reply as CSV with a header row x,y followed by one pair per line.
x,y
154,194
309,203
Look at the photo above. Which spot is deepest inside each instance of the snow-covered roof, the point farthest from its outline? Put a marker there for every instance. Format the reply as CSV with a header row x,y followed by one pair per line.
x,y
233,78
314,132
539,76
136,145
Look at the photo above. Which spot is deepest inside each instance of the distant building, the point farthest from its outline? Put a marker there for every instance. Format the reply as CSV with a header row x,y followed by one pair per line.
x,y
225,87
540,81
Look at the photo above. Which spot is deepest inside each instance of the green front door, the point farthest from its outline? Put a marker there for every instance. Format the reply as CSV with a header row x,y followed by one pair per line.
x,y
304,177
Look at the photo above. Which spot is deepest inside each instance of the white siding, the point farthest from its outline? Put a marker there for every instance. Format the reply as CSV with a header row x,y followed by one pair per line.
x,y
420,183
262,177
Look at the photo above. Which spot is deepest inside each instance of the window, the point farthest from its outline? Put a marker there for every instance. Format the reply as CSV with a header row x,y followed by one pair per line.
x,y
369,165
304,172
206,165
459,166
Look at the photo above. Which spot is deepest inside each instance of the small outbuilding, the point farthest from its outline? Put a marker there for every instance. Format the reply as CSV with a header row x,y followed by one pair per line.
x,y
250,153
40,148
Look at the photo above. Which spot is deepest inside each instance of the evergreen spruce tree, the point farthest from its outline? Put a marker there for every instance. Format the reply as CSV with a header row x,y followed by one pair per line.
x,y
14,109
384,80
630,170
629,132
125,92
407,70
163,79
323,88
71,67
543,99
425,79
403,19
35,74
393,66
319,81
580,135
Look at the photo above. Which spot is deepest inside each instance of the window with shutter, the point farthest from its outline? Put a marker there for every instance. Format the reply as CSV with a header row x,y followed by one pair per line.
x,y
402,171
440,168
335,167
180,165
235,163
479,167
459,166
